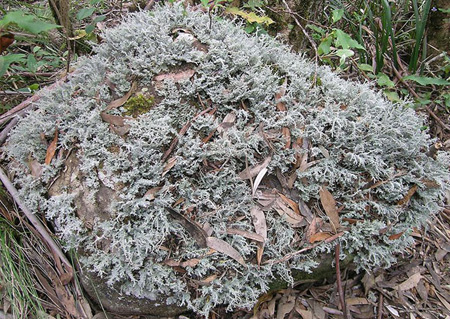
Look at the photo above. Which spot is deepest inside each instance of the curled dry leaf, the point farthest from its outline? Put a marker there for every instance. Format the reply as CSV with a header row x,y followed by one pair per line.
x,y
188,263
291,203
329,205
169,164
224,248
259,222
409,283
258,180
246,234
51,149
253,171
288,213
35,167
396,236
176,77
121,101
228,121
319,237
113,119
150,194
191,227
405,200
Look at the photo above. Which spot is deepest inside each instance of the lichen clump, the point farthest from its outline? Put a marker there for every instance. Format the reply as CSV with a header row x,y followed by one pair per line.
x,y
226,103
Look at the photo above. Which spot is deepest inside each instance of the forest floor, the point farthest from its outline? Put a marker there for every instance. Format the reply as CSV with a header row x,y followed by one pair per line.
x,y
417,286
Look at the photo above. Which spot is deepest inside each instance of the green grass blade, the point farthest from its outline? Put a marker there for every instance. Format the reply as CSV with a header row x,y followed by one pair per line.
x,y
388,30
420,30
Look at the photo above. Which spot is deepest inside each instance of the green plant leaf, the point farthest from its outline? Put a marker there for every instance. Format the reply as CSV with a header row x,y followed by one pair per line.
x,y
250,17
392,96
32,63
444,10
337,15
345,41
89,28
29,23
99,18
325,46
344,54
384,80
84,13
317,29
7,60
423,80
365,67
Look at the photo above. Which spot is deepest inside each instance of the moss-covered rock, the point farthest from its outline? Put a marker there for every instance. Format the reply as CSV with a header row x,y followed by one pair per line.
x,y
229,150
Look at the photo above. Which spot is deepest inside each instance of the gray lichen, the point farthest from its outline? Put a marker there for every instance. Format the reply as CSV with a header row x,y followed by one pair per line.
x,y
368,152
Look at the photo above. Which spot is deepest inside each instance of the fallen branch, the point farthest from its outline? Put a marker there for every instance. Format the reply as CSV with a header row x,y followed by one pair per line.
x,y
339,281
33,219
301,251
7,129
25,105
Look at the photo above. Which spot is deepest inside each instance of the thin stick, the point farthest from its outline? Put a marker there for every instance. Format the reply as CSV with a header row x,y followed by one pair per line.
x,y
339,282
301,251
149,5
23,107
5,131
33,219
380,307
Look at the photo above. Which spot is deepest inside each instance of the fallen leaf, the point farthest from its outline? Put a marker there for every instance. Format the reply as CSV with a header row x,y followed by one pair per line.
x,y
306,314
224,248
176,77
405,200
121,101
285,305
259,222
150,194
192,228
409,283
392,310
206,281
66,278
169,164
253,171
288,213
5,41
228,121
356,301
258,180
113,119
188,263
51,149
246,234
443,300
35,167
319,237
329,205
396,236
291,203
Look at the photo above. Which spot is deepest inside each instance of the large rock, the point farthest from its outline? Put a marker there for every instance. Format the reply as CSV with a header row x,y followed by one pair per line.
x,y
194,164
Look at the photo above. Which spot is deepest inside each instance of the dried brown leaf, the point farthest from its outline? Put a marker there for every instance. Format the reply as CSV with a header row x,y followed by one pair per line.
x,y
192,228
356,301
291,203
409,283
405,200
121,101
35,167
176,77
443,300
169,164
150,194
227,122
258,180
253,171
113,119
224,248
288,213
396,236
246,234
319,237
51,149
306,314
285,305
329,205
188,263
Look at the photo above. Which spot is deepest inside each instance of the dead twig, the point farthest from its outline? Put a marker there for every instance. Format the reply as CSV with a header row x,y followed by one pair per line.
x,y
33,219
380,307
7,129
181,133
25,105
339,281
301,251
